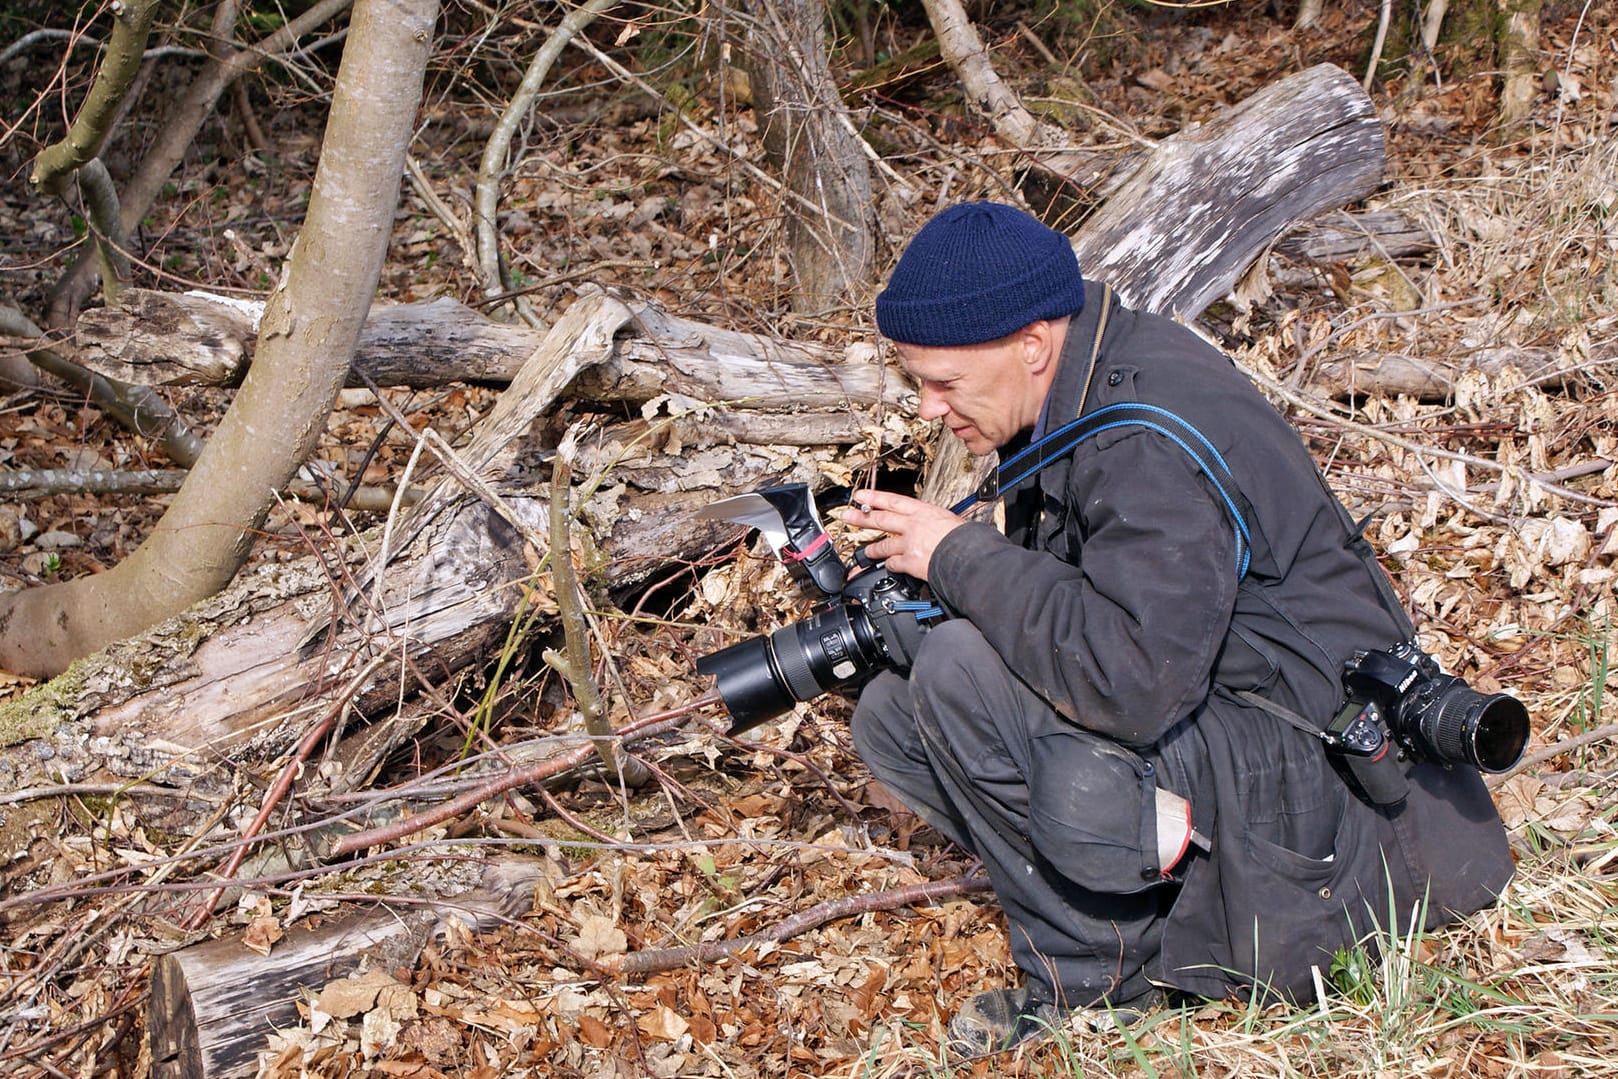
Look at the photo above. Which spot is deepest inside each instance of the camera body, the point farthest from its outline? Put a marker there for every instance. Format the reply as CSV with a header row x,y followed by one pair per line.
x,y
1402,707
871,621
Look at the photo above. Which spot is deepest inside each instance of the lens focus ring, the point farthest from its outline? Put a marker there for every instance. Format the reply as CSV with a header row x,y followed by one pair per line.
x,y
793,663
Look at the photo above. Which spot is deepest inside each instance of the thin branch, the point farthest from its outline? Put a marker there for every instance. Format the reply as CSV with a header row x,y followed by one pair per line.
x,y
138,408
1557,749
1319,411
93,125
1383,19
658,959
517,777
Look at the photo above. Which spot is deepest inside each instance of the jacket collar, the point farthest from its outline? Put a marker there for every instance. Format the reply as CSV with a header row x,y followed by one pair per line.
x,y
1074,370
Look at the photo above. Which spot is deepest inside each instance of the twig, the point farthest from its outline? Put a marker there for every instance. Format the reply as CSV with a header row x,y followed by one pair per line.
x,y
92,790
520,777
1551,752
658,959
573,664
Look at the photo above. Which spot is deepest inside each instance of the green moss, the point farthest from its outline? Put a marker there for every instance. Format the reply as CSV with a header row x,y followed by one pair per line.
x,y
42,709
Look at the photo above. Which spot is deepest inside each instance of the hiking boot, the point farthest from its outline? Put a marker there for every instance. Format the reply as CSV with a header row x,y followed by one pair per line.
x,y
1001,1019
994,1021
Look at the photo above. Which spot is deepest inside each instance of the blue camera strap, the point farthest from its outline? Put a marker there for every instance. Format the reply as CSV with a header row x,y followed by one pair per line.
x,y
1028,462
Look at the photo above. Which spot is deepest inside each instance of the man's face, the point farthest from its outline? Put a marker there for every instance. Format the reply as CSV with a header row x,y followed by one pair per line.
x,y
985,393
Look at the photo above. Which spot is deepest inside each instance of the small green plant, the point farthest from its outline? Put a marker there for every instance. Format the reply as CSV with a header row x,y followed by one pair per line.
x,y
1353,973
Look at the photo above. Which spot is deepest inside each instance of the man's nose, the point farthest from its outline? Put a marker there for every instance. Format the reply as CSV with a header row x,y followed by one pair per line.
x,y
931,405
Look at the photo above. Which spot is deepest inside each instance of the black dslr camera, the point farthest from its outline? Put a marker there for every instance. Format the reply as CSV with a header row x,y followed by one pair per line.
x,y
1402,707
862,624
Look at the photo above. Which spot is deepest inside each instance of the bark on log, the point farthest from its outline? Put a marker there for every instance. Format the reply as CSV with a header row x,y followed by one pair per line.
x,y
1178,234
213,1005
163,338
1345,236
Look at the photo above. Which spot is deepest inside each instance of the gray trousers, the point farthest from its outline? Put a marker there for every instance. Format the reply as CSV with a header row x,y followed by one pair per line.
x,y
1058,815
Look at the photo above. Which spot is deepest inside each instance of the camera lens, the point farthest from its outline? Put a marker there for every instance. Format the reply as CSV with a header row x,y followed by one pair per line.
x,y
748,684
1489,730
762,677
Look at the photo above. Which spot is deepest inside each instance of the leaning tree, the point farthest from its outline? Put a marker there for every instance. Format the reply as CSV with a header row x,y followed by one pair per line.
x,y
312,320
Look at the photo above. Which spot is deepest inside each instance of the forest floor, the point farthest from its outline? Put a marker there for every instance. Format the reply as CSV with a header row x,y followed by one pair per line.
x,y
1512,581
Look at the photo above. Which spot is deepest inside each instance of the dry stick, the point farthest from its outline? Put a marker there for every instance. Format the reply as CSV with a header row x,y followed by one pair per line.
x,y
1551,752
573,663
647,727
657,959
1385,17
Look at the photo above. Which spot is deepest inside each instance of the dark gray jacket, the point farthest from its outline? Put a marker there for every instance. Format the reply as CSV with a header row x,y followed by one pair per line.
x,y
1115,596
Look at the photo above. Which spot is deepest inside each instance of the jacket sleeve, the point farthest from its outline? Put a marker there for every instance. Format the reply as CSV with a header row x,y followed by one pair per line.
x,y
1124,641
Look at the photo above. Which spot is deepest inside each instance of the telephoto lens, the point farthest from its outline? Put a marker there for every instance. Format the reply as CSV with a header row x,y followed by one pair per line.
x,y
762,677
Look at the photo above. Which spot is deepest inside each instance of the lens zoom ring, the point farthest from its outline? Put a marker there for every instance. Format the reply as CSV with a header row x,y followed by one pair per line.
x,y
794,664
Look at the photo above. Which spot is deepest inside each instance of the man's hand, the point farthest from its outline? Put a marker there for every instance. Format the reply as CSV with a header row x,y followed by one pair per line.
x,y
913,529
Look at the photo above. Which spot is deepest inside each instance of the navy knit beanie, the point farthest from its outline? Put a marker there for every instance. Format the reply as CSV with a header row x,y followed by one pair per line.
x,y
977,272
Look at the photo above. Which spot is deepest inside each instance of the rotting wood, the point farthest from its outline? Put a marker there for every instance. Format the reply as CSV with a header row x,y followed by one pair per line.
x,y
164,338
214,1004
1233,185
251,662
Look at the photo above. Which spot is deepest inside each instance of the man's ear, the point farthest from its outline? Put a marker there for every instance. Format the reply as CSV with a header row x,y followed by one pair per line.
x,y
1038,341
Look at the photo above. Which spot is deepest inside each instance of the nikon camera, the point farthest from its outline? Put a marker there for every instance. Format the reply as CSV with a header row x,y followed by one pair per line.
x,y
1402,707
861,625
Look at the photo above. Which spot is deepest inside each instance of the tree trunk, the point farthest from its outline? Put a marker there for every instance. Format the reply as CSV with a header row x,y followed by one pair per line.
x,y
831,223
1517,39
306,341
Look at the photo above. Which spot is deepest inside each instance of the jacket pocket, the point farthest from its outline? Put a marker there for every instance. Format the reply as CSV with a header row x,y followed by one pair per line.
x,y
1291,881
1246,662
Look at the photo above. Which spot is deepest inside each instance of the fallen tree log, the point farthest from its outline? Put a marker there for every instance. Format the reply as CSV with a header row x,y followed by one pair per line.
x,y
1292,151
213,1003
437,589
198,338
1345,236
1396,374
